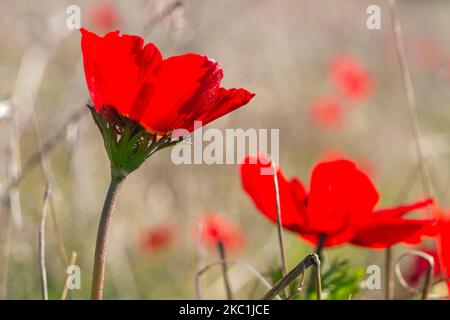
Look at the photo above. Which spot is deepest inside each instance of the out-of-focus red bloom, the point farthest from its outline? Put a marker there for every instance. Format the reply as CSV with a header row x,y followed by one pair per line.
x,y
103,15
212,228
351,78
420,266
160,94
428,54
443,223
327,112
364,165
339,205
158,237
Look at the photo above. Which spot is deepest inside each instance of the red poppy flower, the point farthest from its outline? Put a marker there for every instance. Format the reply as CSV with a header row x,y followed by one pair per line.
x,y
160,94
158,237
213,228
443,223
327,112
340,205
351,78
103,15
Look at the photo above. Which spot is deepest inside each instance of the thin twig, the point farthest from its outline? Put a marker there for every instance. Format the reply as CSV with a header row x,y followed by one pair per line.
x,y
226,279
311,259
73,261
155,20
217,263
279,222
48,146
42,243
411,100
425,292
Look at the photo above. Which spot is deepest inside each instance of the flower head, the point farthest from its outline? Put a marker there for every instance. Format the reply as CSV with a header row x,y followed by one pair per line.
x,y
103,15
213,228
140,99
351,78
339,205
158,237
327,112
160,94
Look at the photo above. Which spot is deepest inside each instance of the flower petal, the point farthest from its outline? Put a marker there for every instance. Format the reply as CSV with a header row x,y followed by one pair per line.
x,y
116,66
259,185
184,88
403,209
340,195
383,232
228,100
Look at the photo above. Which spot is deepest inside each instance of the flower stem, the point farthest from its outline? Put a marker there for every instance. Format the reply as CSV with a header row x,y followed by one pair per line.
x,y
389,283
226,280
102,236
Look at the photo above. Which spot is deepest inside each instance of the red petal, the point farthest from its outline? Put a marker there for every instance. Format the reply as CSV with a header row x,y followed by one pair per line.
x,y
401,210
116,67
443,243
383,232
228,100
259,185
340,195
185,87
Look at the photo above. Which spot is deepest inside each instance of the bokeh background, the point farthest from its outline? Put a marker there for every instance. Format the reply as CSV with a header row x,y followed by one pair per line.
x,y
281,50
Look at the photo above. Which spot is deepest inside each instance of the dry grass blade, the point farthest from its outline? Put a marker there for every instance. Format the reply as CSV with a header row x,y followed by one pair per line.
x,y
425,292
42,243
411,99
220,262
311,259
279,222
73,261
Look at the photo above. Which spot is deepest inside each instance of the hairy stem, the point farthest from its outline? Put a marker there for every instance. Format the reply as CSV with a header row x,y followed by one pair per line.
x,y
102,237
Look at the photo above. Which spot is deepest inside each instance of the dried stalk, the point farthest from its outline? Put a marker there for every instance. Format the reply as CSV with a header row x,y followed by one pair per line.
x,y
411,99
311,259
217,263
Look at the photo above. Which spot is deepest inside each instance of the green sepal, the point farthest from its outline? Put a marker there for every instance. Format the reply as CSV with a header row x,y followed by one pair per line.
x,y
127,143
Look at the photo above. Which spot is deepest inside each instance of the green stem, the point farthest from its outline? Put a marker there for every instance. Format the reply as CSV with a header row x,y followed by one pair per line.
x,y
102,236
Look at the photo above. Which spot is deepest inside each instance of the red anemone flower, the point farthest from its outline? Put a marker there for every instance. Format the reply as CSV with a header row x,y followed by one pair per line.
x,y
158,237
160,94
351,78
327,112
339,205
103,15
213,228
443,243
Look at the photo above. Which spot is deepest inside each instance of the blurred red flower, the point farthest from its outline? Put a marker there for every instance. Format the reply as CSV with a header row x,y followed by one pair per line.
x,y
340,205
428,54
327,112
420,266
103,15
158,237
212,228
351,78
443,243
160,94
